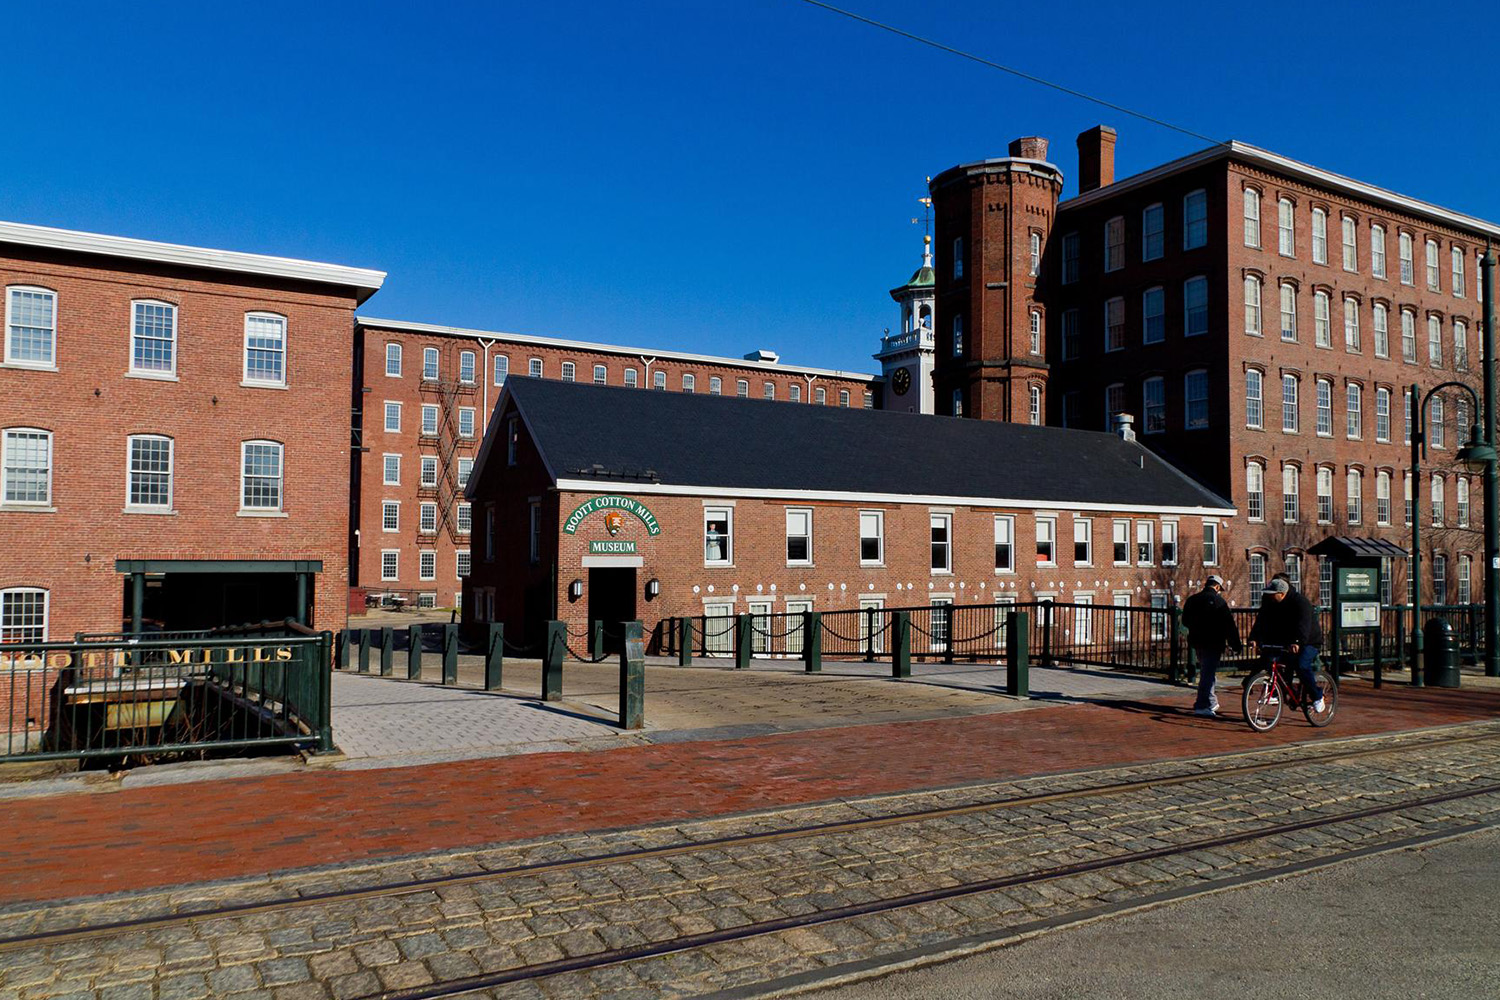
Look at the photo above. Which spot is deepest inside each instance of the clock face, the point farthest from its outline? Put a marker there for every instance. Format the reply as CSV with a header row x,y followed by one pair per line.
x,y
901,381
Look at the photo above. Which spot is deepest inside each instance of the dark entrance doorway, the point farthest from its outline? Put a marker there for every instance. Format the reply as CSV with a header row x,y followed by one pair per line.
x,y
612,601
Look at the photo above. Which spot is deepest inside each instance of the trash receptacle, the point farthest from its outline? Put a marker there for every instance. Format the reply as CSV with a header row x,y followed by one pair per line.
x,y
1439,654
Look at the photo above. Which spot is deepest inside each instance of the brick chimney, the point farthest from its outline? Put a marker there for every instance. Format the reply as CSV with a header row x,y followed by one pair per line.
x,y
1030,147
1096,158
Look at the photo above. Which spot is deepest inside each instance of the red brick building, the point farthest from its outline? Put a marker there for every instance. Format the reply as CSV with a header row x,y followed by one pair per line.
x,y
596,503
1264,318
424,395
169,433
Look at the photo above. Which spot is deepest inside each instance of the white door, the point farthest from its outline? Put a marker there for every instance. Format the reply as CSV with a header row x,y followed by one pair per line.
x,y
865,604
718,629
794,637
760,627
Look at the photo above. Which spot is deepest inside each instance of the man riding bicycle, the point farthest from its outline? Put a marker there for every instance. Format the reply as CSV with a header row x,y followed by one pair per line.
x,y
1288,619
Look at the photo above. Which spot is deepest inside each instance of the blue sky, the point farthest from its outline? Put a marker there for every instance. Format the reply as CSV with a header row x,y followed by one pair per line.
x,y
705,176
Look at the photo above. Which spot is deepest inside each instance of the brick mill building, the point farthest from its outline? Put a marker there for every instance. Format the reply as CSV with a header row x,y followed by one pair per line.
x,y
168,434
598,503
1263,318
424,395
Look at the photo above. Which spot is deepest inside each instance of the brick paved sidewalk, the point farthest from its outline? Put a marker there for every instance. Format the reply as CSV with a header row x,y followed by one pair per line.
x,y
72,845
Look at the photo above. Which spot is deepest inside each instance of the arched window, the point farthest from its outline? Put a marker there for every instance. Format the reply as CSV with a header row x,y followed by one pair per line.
x,y
260,476
1255,491
1252,305
1291,508
23,615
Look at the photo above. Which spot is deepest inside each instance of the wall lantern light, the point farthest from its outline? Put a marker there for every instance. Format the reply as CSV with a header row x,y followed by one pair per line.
x,y
575,590
653,588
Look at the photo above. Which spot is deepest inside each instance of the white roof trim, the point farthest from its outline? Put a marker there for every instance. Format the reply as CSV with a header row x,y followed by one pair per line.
x,y
171,253
404,326
663,489
1275,162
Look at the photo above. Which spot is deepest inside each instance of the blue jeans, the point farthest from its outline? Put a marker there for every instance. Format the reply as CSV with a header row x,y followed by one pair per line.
x,y
1303,660
1208,672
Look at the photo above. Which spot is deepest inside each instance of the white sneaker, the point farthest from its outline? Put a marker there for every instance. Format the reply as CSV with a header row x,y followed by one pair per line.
x,y
1207,713
1318,707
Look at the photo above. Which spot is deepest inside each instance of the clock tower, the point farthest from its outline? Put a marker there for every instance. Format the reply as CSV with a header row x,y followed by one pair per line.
x,y
906,357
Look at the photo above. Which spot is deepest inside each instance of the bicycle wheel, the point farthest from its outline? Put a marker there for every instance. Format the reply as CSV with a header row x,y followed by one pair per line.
x,y
1330,700
1261,701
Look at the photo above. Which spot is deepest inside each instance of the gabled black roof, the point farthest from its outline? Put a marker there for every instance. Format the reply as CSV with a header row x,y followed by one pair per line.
x,y
621,436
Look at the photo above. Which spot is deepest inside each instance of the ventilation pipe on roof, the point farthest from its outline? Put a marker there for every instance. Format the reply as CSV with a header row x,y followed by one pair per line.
x,y
767,357
1124,426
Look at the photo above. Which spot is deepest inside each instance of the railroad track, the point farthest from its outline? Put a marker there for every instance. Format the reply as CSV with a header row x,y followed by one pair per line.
x,y
398,888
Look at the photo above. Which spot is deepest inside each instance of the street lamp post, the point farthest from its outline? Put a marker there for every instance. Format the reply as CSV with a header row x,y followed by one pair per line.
x,y
1491,513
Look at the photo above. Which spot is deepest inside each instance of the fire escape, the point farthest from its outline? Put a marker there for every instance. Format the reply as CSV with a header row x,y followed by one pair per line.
x,y
448,394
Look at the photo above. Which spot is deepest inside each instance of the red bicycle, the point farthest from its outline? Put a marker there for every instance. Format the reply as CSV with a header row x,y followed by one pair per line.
x,y
1277,685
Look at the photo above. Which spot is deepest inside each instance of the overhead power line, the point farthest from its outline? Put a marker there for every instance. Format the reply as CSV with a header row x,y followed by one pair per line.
x,y
931,43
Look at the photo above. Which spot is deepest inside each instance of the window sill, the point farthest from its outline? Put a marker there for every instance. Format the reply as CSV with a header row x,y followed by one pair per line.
x,y
718,565
800,565
940,572
251,384
1004,571
26,508
150,511
27,366
261,513
154,376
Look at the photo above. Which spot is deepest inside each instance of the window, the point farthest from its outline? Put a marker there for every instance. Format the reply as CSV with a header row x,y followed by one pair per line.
x,y
1070,258
1083,541
1071,338
427,565
1437,501
23,615
1382,327
149,476
1404,249
768,390
941,543
1410,505
1255,492
1377,251
1210,543
265,349
1324,392
1355,495
718,540
659,380
569,371
464,518
1383,415
1465,577
1195,393
535,532
1288,311
390,515
1460,345
1458,272
1121,539
153,339
715,385
465,469
1461,490
689,383
428,471
393,360
512,439
390,564
742,388
844,398
1114,324
1114,404
1194,307
1325,494
1320,236
1290,509
868,402
392,471
1351,325
1257,572
1036,253
1253,398
1461,421
1252,217
1385,580
30,327
1435,341
1034,404
871,537
466,367
1154,406
1144,543
1354,428
601,375
501,366
260,476
1433,283
1153,317
466,421
1153,233
958,257
794,392
1252,305
1435,435
392,417
1289,404
1169,543
1408,336
631,378
1036,331
1114,244
958,336
1351,246
1294,570
1046,541
429,419
1322,325
429,364
799,537
1195,220
1286,227
1382,498
462,564
956,405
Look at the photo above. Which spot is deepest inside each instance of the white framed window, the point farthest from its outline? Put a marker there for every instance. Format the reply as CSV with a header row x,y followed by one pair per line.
x,y
940,547
464,517
631,380
465,469
1323,390
1257,572
1322,320
820,395
1404,251
1465,580
1435,415
1286,227
429,364
868,402
1154,405
1210,543
153,339
1351,325
1070,258
1460,345
601,375
391,473
1354,497
1382,327
1409,336
23,615
1114,404
1195,399
1114,324
390,564
871,537
466,421
429,471
1382,414
1437,501
1083,541
148,479
659,380
1255,492
1377,250
392,417
1351,243
1288,311
1036,331
427,518
1291,510
1153,233
569,371
1435,341
1005,543
1252,217
1046,541
1194,220
1121,543
794,392
1289,404
1195,306
462,563
1034,404
392,360
501,365
1383,498
466,367
30,326
429,420
535,368
260,475
1461,497
1458,272
958,257
1169,543
958,335
844,398
1410,504
1114,244
1434,283
715,385
1036,252
1145,532
1083,619
1254,399
265,349
426,565
390,515
768,390
1354,427
742,388
1294,570
1320,236
1252,305
718,536
799,540
1153,317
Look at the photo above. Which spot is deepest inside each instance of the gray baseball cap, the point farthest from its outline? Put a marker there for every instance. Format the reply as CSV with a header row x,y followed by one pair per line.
x,y
1276,587
1217,581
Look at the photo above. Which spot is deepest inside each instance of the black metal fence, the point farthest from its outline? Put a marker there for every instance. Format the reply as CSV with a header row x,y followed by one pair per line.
x,y
127,695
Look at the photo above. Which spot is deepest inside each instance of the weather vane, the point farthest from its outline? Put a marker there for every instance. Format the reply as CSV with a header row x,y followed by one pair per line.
x,y
926,219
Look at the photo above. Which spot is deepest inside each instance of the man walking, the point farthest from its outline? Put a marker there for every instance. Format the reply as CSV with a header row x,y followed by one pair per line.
x,y
1288,619
1211,627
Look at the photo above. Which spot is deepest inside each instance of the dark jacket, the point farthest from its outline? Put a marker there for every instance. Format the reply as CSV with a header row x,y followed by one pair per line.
x,y
1209,622
1290,620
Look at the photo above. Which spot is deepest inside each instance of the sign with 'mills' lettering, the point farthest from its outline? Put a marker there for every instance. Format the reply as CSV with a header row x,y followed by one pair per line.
x,y
614,509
